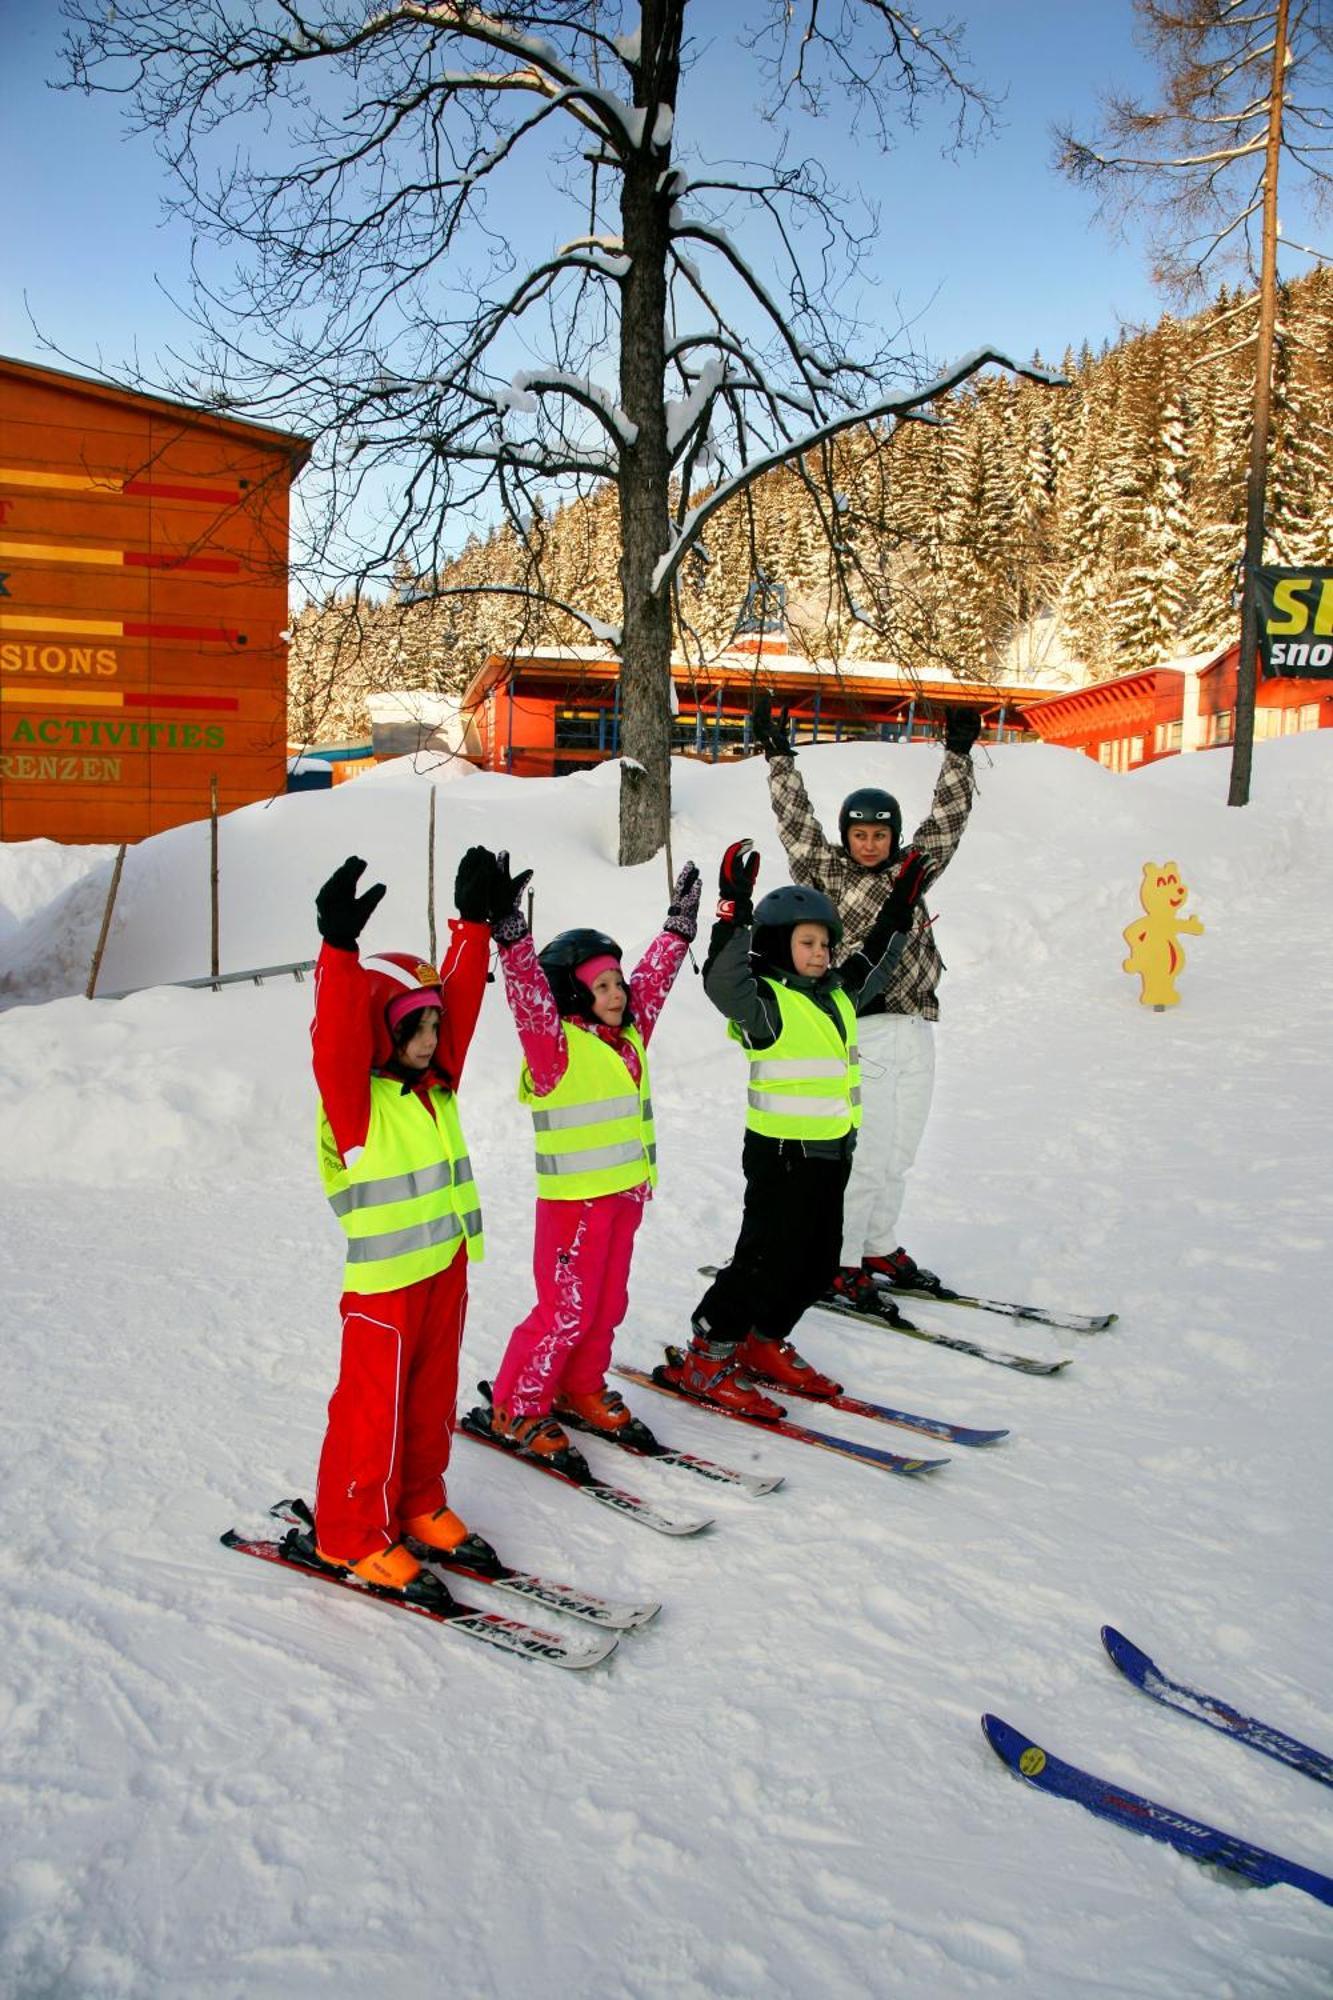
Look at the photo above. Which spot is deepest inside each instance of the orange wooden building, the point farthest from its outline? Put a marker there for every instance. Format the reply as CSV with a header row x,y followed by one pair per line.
x,y
143,600
554,710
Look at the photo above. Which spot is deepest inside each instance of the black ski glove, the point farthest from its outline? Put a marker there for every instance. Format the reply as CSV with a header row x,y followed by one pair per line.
x,y
340,913
508,923
682,917
735,880
900,906
962,726
772,735
476,886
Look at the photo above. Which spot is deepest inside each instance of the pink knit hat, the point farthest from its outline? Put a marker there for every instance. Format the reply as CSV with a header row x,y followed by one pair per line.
x,y
592,968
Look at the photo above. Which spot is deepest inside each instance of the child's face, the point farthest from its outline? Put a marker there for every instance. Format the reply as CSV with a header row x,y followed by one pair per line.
x,y
810,950
869,844
416,1052
609,997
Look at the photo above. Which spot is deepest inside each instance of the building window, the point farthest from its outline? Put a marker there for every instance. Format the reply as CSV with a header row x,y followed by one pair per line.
x,y
1221,727
1306,716
1121,753
581,728
1166,737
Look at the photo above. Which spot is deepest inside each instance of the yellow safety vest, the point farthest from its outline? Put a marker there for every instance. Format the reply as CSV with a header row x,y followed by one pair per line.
x,y
408,1199
594,1131
807,1084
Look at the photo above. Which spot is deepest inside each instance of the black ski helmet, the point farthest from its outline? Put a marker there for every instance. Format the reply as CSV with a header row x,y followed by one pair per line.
x,y
872,807
777,915
558,960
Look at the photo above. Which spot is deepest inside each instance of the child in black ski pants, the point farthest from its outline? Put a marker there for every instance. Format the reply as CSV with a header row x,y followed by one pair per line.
x,y
769,970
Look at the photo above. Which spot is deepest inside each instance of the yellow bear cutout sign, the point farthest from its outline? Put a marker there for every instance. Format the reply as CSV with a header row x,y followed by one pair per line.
x,y
1155,952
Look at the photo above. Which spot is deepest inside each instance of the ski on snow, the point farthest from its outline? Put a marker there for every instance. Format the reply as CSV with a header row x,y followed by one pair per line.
x,y
296,1551
1194,1837
575,1471
880,1413
1022,1362
685,1461
1039,1315
1145,1674
867,1454
575,1603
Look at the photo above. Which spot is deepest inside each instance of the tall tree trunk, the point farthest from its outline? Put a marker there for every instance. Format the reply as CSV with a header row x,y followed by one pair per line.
x,y
1256,489
645,514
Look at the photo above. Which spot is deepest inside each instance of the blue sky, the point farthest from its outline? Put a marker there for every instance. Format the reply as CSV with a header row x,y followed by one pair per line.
x,y
993,247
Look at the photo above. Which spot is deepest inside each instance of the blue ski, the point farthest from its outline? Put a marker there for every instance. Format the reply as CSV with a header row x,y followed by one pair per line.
x,y
866,1454
1188,1836
1145,1673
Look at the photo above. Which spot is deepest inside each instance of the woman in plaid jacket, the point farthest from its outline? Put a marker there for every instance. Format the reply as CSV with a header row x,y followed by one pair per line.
x,y
857,873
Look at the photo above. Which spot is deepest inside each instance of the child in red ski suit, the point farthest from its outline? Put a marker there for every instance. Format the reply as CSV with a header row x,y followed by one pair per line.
x,y
389,1037
584,1035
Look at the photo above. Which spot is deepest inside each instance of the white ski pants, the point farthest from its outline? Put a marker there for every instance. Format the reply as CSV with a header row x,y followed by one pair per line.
x,y
897,1081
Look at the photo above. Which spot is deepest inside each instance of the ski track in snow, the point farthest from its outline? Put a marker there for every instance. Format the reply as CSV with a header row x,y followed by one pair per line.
x,y
216,1779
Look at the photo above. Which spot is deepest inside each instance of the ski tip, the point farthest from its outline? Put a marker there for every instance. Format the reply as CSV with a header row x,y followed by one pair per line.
x,y
1019,1752
1130,1659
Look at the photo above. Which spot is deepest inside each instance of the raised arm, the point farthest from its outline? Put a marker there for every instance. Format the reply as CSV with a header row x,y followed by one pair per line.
x,y
655,974
341,1038
939,833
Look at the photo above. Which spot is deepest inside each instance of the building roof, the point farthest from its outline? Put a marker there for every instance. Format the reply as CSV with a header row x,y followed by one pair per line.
x,y
193,415
742,664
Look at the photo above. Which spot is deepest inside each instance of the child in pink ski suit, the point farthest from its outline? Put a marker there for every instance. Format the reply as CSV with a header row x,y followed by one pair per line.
x,y
584,1034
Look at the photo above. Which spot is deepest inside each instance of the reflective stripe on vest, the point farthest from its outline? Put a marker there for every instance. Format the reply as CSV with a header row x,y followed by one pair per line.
x,y
594,1132
807,1084
409,1199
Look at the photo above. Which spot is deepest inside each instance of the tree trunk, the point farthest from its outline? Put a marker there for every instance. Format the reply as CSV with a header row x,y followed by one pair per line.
x,y
644,476
1257,485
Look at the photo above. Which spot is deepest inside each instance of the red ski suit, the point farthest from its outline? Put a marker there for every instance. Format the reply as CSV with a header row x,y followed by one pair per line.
x,y
581,1249
391,1416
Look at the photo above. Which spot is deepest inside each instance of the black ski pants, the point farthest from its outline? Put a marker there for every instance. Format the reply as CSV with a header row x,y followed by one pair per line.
x,y
789,1246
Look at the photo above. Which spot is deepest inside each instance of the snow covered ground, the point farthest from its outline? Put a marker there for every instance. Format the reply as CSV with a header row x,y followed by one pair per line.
x,y
219,1779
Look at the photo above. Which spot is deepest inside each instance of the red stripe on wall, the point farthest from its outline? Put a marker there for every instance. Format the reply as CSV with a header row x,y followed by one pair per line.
x,y
216,565
145,698
161,491
137,628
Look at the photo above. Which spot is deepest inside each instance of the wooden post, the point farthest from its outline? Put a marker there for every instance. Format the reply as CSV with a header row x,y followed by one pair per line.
x,y
214,962
430,880
106,923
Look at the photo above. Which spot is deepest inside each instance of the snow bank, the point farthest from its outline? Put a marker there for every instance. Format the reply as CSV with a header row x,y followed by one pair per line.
x,y
214,1778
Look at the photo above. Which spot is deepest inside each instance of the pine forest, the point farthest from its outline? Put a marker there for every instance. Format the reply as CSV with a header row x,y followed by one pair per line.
x,y
1085,532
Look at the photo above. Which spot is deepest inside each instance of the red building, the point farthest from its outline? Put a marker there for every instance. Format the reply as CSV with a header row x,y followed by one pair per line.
x,y
554,710
1188,705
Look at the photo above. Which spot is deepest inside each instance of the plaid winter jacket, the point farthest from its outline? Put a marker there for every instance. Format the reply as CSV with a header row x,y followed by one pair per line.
x,y
859,894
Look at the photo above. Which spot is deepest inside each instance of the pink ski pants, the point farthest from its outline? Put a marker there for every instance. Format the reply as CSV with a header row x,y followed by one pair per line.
x,y
580,1261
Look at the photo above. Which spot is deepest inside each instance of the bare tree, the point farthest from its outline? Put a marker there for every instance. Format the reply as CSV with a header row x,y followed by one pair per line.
x,y
1244,85
354,162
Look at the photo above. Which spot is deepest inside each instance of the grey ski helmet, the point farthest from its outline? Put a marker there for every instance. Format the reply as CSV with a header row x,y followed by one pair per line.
x,y
872,807
777,915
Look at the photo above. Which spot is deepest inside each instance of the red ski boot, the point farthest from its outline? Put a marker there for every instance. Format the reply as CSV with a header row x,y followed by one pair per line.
x,y
777,1361
896,1268
855,1288
712,1373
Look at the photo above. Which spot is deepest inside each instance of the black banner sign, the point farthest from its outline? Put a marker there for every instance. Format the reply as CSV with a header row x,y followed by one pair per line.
x,y
1296,623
